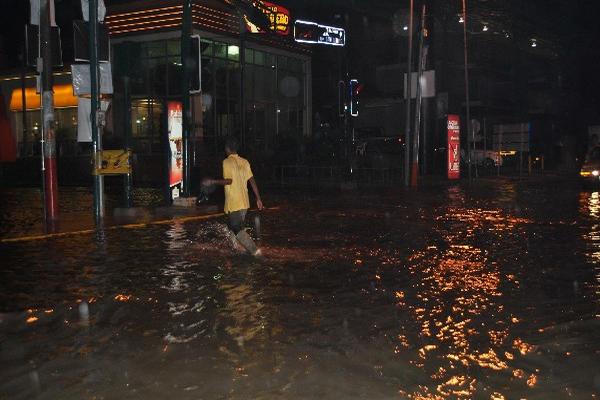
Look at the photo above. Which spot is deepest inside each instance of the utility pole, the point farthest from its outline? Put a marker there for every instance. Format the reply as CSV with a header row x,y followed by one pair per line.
x,y
186,117
408,97
464,6
96,137
48,137
418,98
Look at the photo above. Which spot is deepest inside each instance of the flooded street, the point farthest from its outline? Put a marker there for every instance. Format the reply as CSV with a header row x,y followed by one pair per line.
x,y
487,292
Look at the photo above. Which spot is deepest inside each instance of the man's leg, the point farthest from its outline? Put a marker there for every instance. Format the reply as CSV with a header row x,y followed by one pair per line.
x,y
236,220
236,224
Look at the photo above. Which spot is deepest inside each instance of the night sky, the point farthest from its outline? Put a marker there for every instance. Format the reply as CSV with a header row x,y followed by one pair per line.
x,y
567,27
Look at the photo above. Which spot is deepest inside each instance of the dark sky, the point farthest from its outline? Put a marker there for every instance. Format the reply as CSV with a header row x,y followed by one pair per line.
x,y
574,23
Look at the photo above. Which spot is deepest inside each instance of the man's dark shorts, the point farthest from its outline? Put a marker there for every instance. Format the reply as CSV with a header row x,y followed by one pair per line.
x,y
236,220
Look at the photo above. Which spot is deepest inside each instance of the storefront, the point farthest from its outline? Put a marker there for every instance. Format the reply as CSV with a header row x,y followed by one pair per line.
x,y
25,115
254,85
275,73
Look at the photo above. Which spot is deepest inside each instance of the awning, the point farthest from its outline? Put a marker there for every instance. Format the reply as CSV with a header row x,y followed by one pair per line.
x,y
63,97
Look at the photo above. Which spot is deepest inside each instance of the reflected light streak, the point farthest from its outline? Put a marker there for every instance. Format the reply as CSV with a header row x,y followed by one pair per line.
x,y
457,288
123,297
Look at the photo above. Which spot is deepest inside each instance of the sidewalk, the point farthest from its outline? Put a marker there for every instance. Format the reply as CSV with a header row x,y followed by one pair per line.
x,y
75,223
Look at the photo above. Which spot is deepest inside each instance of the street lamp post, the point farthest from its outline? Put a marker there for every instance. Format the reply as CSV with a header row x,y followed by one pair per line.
x,y
408,96
464,12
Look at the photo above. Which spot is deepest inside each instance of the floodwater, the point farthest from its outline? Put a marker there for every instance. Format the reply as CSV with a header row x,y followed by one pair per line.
x,y
489,291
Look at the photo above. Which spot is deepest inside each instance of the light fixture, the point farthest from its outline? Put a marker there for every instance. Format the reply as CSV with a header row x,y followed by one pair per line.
x,y
233,50
405,28
485,28
533,43
461,20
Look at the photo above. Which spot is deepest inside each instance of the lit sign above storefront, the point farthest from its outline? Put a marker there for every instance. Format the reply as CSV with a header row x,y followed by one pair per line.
x,y
278,16
311,32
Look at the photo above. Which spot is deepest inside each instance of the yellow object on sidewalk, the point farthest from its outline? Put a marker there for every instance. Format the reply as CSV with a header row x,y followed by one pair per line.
x,y
114,162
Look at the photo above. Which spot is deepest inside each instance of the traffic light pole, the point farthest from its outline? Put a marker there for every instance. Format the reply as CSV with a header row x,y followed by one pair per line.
x,y
48,137
464,9
96,137
186,33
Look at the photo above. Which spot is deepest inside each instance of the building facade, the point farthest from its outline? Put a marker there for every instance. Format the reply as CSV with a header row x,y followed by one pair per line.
x,y
256,86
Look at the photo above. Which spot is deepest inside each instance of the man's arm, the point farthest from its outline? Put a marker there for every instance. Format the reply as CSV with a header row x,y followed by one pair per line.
x,y
254,187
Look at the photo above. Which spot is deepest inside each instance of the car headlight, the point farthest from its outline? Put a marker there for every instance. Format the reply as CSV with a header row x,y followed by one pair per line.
x,y
595,172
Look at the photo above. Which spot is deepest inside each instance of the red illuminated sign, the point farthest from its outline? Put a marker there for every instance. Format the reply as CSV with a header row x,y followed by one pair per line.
x,y
278,15
174,126
453,147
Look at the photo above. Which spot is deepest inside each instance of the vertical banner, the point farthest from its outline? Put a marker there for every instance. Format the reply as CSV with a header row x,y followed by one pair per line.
x,y
453,147
174,122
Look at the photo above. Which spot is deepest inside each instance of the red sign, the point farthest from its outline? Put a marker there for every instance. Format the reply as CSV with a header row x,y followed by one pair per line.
x,y
453,147
278,15
174,115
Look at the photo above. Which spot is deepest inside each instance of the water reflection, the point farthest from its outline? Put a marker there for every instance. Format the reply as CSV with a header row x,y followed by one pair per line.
x,y
464,327
464,294
590,207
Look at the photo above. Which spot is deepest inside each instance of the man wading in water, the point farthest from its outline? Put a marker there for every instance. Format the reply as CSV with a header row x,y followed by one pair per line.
x,y
236,175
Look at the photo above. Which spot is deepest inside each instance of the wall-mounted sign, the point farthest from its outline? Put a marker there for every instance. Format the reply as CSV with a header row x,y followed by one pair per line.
x,y
279,18
311,32
174,123
453,147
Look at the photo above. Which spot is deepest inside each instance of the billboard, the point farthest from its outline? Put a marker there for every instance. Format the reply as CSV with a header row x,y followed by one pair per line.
x,y
279,18
311,32
453,146
174,126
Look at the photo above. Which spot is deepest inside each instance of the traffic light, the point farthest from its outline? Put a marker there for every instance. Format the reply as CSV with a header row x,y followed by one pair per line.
x,y
341,98
355,89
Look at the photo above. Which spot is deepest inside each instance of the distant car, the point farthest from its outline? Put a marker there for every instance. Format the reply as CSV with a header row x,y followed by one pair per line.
x,y
483,158
590,170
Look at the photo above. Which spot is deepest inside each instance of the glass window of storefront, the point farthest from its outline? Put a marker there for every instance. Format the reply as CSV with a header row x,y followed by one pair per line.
x,y
65,122
274,88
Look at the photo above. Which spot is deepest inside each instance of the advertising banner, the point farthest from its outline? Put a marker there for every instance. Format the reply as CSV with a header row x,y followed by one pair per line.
x,y
453,147
174,122
279,18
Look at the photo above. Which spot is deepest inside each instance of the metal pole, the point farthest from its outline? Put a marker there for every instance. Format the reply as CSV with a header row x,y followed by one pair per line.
x,y
464,5
48,138
408,96
243,81
417,126
186,33
127,180
96,137
24,103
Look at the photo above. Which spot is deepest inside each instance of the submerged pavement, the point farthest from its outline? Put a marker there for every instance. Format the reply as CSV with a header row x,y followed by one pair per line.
x,y
487,291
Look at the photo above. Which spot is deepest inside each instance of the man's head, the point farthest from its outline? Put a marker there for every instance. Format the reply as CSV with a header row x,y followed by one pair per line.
x,y
231,145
